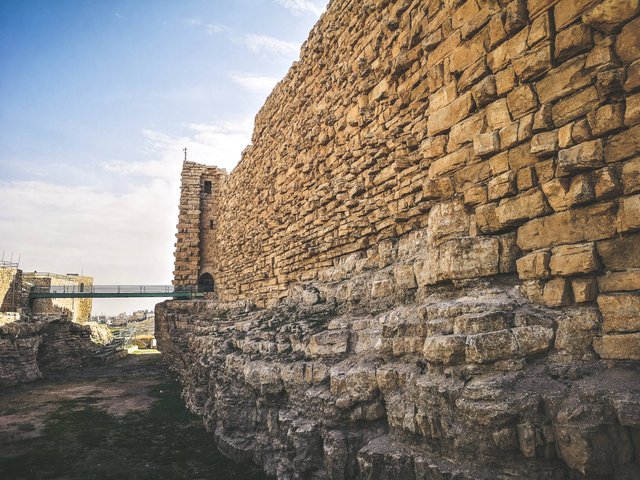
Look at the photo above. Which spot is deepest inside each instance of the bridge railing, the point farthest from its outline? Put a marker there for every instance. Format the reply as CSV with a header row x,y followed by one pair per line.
x,y
63,289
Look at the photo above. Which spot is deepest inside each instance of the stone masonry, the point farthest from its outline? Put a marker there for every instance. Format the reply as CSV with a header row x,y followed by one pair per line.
x,y
427,263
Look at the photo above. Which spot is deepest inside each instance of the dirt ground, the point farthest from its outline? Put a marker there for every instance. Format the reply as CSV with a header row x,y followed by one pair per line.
x,y
121,420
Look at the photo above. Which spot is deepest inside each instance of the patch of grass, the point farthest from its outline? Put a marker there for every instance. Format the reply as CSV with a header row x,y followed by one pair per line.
x,y
80,441
26,427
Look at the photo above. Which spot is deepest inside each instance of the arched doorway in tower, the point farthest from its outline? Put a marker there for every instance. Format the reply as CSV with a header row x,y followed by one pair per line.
x,y
206,283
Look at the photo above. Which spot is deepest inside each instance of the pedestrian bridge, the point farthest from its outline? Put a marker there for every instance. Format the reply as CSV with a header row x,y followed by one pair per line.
x,y
115,291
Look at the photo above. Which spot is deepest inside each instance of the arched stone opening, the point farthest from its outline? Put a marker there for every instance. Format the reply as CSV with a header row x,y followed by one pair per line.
x,y
206,283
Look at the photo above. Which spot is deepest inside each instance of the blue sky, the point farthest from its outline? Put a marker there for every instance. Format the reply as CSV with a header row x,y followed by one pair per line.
x,y
97,100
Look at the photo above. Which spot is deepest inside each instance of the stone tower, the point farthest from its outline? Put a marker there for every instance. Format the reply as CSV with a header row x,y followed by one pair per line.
x,y
199,185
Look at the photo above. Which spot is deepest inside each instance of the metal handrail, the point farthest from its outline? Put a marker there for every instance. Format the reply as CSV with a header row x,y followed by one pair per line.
x,y
113,289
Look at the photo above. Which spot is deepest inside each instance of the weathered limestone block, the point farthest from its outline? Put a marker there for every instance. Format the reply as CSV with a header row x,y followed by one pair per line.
x,y
585,156
608,15
606,118
623,145
621,312
578,104
572,41
567,78
404,276
569,260
628,42
331,342
620,253
450,162
564,193
532,339
557,292
619,281
584,289
497,114
502,185
448,116
445,349
545,143
632,111
448,220
492,346
525,206
629,214
486,143
619,347
459,259
593,222
473,323
533,64
534,266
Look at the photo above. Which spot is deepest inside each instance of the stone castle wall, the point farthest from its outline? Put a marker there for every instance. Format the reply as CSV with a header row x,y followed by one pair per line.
x,y
76,309
10,281
506,133
428,261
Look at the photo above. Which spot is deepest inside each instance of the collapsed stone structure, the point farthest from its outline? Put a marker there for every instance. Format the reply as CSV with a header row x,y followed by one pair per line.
x,y
427,264
30,349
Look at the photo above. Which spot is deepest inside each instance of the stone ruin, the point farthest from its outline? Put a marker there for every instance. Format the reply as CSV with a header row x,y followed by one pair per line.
x,y
427,263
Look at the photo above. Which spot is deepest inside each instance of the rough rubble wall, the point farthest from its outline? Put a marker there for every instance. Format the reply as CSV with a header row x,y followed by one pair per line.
x,y
489,122
31,348
440,211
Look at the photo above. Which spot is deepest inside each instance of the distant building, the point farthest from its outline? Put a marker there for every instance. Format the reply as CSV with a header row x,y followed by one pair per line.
x,y
76,309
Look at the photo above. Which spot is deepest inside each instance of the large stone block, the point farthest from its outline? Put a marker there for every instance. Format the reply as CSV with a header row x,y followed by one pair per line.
x,y
490,347
564,193
532,339
570,260
564,80
593,222
608,15
448,116
459,259
621,312
578,104
557,292
445,349
628,42
619,281
619,347
623,145
585,156
447,220
620,253
629,214
525,206
534,266
572,41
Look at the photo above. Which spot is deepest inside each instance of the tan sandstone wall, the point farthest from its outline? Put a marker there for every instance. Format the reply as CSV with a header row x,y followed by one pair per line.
x,y
10,278
78,309
504,133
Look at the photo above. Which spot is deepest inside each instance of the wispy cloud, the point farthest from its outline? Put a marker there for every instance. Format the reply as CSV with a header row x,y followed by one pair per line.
x,y
299,7
268,44
214,28
218,143
260,84
196,22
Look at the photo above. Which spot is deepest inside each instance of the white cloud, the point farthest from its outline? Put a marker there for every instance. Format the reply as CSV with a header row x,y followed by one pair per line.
x,y
216,28
299,7
115,237
196,22
217,144
260,84
268,44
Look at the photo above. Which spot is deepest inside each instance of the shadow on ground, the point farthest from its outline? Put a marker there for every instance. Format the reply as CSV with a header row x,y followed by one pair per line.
x,y
125,420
